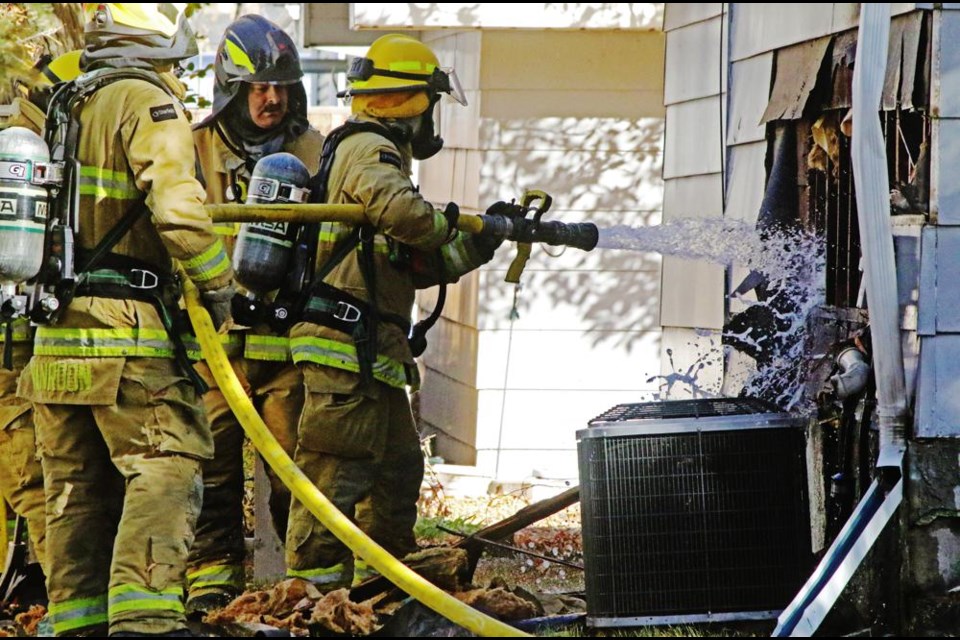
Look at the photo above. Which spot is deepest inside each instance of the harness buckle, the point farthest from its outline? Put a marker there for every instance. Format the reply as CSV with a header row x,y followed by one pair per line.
x,y
347,312
143,279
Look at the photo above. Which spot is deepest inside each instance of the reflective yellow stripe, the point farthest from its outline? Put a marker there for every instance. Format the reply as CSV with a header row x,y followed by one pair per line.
x,y
22,331
323,575
272,348
71,615
208,265
104,183
411,65
133,597
239,56
221,575
339,355
227,228
232,344
106,343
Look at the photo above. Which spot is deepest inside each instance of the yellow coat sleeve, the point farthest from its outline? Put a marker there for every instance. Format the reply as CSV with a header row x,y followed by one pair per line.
x,y
159,149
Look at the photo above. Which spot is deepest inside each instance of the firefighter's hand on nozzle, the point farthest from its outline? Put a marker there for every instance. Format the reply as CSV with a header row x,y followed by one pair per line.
x,y
452,213
218,302
510,210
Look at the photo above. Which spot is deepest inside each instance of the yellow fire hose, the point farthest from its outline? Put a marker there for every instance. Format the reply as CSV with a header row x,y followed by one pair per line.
x,y
311,497
352,213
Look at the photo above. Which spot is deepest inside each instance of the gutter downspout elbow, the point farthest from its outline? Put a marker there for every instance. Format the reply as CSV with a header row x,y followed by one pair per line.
x,y
854,373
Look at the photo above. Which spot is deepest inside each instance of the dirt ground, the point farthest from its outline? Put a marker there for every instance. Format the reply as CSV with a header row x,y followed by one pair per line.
x,y
555,537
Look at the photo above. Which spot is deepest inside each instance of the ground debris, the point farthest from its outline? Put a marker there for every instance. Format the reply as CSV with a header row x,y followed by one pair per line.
x,y
502,601
445,567
30,619
335,612
284,606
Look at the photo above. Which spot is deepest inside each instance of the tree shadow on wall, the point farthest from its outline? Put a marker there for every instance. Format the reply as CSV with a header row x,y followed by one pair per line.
x,y
605,171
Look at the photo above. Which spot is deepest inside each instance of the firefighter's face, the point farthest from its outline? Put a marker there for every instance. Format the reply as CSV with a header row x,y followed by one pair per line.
x,y
267,104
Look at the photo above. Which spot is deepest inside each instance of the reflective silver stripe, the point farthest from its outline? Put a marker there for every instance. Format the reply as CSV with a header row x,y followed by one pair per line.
x,y
104,183
323,575
208,265
231,342
79,613
221,575
92,343
339,355
272,348
133,597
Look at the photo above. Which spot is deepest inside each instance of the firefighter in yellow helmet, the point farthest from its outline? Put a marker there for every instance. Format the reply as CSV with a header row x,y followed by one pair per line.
x,y
118,416
259,108
356,438
21,477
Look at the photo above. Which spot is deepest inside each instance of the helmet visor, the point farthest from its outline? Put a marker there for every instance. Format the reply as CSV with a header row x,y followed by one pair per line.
x,y
452,84
440,80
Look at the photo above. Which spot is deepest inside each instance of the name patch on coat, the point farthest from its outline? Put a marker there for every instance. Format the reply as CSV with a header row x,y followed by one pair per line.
x,y
391,158
163,112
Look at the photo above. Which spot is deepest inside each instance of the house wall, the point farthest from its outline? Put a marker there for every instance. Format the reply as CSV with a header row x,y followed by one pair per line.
x,y
694,97
701,100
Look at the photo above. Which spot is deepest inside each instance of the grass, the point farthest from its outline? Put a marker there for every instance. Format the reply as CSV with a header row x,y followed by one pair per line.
x,y
428,528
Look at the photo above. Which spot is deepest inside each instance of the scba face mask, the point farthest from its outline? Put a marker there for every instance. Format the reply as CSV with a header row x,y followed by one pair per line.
x,y
425,143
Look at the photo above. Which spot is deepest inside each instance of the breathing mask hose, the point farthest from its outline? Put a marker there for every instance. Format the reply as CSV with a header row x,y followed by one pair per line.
x,y
311,497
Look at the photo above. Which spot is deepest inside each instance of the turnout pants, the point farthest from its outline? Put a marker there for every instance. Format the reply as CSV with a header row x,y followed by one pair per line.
x,y
359,444
123,489
21,477
276,388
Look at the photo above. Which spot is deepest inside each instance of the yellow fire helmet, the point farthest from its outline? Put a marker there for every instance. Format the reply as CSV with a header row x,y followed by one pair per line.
x,y
397,63
143,30
63,68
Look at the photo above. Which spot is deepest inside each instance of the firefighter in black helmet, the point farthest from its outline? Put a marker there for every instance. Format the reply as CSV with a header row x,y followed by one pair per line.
x,y
259,108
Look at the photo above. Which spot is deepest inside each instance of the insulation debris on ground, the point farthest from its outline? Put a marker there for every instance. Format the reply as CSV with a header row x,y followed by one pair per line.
x,y
28,621
296,605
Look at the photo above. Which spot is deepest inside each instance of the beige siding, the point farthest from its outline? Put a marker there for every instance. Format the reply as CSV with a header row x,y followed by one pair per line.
x,y
695,47
328,24
692,363
748,98
692,197
692,140
681,14
747,176
691,297
692,294
578,74
763,27
519,15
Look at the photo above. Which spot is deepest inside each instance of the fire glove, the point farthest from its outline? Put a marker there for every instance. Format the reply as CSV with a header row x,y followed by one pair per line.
x,y
510,210
488,244
218,302
452,213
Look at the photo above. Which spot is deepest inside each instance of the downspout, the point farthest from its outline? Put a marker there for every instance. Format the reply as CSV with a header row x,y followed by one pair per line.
x,y
805,614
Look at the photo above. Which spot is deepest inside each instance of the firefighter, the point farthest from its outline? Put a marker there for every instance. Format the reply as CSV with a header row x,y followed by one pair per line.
x,y
116,405
259,108
356,437
21,477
